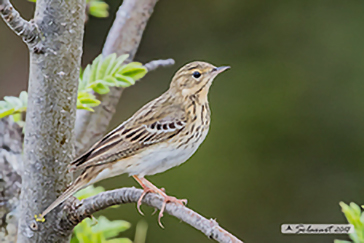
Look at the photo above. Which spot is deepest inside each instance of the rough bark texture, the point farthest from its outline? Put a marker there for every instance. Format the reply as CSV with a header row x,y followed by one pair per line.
x,y
11,140
27,30
74,212
48,142
124,38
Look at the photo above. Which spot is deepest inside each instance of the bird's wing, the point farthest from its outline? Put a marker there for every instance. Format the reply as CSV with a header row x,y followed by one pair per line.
x,y
149,126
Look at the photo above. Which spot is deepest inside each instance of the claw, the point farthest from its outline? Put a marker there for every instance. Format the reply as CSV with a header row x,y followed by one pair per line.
x,y
168,199
160,215
155,210
149,187
146,190
94,220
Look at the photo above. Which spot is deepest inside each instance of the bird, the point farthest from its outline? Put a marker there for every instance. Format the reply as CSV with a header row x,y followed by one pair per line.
x,y
162,134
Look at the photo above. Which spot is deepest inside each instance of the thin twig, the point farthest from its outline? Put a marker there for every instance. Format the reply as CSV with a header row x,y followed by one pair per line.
x,y
79,211
25,29
153,65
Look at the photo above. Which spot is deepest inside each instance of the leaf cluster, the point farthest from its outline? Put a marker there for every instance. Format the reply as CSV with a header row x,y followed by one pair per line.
x,y
104,73
97,78
14,106
355,216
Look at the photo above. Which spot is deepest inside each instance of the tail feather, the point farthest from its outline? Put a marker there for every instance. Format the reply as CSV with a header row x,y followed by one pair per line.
x,y
77,185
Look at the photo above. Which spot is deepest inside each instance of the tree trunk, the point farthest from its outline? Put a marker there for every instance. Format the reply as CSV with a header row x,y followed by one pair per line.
x,y
49,139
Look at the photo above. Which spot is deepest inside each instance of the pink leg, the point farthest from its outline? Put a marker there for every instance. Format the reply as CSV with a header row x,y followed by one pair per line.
x,y
149,187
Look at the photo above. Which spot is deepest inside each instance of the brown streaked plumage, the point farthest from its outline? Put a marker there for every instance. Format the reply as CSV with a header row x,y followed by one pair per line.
x,y
162,134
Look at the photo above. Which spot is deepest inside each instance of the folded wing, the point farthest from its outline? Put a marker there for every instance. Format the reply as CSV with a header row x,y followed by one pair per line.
x,y
146,128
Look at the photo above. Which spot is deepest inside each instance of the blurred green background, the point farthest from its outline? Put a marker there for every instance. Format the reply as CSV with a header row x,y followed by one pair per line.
x,y
287,132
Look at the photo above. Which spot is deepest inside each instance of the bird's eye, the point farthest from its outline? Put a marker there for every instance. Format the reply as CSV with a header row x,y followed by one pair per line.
x,y
196,74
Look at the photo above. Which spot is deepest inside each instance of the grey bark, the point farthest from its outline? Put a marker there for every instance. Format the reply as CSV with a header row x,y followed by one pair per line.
x,y
25,29
49,130
153,65
11,146
75,211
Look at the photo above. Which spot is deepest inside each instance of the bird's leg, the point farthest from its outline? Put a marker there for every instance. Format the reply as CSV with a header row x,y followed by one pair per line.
x,y
145,191
149,187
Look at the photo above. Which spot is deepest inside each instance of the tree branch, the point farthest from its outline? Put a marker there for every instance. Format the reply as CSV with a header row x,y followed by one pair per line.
x,y
25,29
74,212
153,65
123,38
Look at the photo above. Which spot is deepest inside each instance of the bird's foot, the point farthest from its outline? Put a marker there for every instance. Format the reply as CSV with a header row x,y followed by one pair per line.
x,y
168,199
149,187
139,203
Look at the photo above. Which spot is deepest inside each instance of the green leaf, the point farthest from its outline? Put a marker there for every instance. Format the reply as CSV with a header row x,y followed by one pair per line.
x,y
355,208
111,81
110,228
14,102
84,81
74,240
17,117
342,241
99,9
101,88
84,95
87,231
83,107
13,106
124,81
89,192
95,64
3,105
134,70
120,60
90,102
112,63
102,69
7,113
24,98
119,240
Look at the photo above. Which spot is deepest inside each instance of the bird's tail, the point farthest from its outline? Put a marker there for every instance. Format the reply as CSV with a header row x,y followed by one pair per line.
x,y
77,185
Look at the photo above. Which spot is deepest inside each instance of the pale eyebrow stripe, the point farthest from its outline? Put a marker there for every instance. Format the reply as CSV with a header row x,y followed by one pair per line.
x,y
192,68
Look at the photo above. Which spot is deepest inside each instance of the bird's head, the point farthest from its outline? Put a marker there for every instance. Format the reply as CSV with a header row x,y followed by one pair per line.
x,y
195,78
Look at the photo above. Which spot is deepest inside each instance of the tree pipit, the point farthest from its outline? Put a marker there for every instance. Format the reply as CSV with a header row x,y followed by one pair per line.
x,y
162,134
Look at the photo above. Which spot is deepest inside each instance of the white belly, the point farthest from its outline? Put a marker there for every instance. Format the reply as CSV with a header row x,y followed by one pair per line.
x,y
158,159
153,160
149,162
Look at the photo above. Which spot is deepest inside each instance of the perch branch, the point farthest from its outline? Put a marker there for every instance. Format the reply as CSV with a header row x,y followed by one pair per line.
x,y
123,38
153,65
79,211
25,29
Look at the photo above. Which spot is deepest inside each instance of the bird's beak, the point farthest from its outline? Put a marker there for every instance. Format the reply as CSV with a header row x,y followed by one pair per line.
x,y
220,69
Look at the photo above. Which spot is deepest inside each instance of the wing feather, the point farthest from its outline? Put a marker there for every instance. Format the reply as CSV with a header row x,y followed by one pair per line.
x,y
146,128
